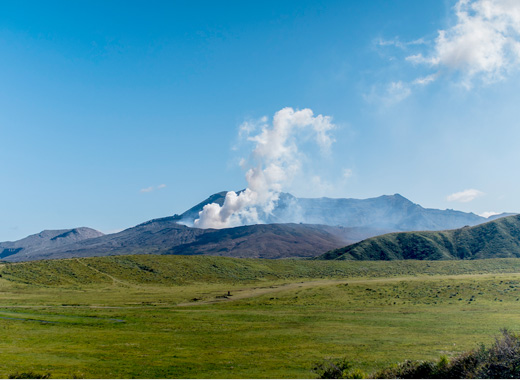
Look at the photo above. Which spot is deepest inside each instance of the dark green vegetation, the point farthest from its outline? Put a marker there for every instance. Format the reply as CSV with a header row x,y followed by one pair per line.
x,y
150,316
501,360
498,238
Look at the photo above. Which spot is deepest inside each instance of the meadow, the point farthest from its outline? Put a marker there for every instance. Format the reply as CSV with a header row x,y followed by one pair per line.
x,y
149,316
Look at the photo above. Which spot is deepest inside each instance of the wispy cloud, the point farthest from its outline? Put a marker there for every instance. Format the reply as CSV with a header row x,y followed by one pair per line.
x,y
423,81
347,173
152,188
482,46
464,196
484,43
400,44
392,93
113,231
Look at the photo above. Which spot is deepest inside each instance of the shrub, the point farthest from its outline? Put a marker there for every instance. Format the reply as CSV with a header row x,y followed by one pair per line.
x,y
338,369
500,361
29,375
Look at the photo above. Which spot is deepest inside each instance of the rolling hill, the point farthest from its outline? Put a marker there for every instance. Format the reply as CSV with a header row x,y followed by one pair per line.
x,y
499,238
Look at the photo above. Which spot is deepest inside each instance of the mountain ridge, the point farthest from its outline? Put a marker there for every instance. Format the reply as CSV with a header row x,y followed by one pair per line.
x,y
46,240
328,223
387,212
498,238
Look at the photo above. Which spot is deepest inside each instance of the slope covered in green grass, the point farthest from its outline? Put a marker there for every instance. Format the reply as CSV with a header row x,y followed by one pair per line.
x,y
496,239
182,270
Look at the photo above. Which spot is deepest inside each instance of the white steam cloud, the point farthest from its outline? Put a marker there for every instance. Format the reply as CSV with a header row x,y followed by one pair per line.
x,y
275,160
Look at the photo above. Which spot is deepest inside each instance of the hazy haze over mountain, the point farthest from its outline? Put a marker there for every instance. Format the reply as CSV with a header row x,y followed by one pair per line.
x,y
387,212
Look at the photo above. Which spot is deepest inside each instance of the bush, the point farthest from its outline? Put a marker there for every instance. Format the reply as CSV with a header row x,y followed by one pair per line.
x,y
339,369
500,361
29,375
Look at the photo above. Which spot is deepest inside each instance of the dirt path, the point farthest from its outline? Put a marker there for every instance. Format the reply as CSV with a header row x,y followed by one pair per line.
x,y
115,281
259,291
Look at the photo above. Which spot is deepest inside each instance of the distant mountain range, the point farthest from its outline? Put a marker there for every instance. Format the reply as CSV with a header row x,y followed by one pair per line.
x,y
496,239
166,236
298,227
387,212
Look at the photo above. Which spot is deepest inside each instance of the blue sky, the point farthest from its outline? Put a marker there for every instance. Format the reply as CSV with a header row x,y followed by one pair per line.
x,y
114,113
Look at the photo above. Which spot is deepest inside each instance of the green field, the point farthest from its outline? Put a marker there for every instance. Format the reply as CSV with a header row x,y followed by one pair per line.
x,y
170,316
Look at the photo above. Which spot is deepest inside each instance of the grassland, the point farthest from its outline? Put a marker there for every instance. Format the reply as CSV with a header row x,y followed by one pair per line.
x,y
171,316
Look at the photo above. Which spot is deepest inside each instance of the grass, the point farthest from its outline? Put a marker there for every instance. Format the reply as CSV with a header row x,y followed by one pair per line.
x,y
136,316
494,239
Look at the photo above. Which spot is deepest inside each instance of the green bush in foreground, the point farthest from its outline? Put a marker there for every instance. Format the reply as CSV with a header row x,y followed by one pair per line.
x,y
340,369
29,375
500,361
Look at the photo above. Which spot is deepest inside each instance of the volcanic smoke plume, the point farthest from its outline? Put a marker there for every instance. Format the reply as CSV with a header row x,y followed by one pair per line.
x,y
272,165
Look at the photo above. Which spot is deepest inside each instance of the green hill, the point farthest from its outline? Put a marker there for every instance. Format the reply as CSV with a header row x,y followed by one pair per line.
x,y
496,239
173,270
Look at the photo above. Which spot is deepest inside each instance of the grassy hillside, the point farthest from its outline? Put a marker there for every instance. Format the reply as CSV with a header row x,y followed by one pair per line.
x,y
183,270
498,238
212,317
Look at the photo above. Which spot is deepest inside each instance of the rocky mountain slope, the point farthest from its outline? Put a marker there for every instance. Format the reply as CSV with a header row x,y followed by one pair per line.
x,y
47,240
165,236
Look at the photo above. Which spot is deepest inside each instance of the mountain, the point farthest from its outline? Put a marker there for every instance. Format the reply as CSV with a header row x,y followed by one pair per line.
x,y
388,213
497,216
45,241
270,241
166,236
298,227
499,238
187,217
153,236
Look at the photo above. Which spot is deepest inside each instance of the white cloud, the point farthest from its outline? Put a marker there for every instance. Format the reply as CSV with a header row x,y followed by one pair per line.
x,y
113,231
464,196
275,160
400,44
423,81
484,43
321,187
152,188
398,91
347,173
393,93
487,214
